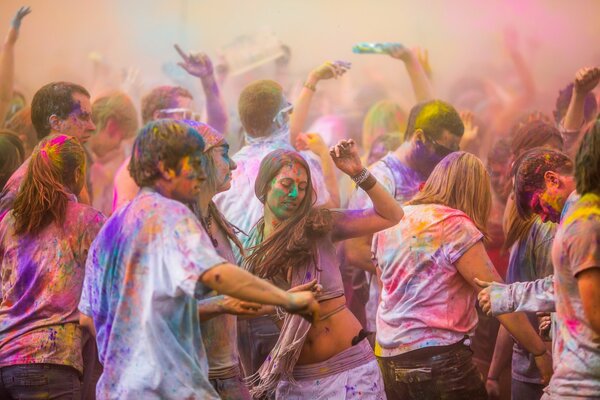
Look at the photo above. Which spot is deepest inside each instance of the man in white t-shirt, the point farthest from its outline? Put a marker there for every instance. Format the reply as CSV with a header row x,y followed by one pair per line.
x,y
147,268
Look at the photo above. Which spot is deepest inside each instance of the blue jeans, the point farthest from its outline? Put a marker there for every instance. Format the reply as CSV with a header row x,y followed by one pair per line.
x,y
39,381
231,388
525,391
449,375
256,339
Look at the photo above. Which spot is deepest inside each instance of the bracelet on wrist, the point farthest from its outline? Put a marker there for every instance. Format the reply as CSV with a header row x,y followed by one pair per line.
x,y
364,179
310,86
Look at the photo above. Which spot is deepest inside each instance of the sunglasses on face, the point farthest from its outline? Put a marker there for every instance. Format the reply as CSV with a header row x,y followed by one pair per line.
x,y
442,150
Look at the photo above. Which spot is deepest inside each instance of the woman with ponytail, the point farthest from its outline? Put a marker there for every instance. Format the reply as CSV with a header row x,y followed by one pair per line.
x,y
44,242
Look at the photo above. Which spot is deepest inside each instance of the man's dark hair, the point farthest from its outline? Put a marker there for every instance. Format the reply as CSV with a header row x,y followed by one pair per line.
x,y
161,98
530,168
258,104
587,161
433,117
165,140
55,98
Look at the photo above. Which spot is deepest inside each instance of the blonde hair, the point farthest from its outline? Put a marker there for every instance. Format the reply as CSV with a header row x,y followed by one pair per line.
x,y
118,107
459,181
383,117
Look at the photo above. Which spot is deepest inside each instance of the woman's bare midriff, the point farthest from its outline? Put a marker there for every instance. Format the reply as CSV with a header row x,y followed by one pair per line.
x,y
331,336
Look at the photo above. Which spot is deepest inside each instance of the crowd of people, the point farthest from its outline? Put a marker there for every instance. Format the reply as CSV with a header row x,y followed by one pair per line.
x,y
421,257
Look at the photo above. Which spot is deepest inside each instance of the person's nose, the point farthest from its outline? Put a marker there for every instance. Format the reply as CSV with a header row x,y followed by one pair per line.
x,y
91,126
294,192
232,165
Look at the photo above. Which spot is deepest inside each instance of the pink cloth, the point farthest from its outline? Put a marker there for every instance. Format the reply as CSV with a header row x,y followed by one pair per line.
x,y
424,301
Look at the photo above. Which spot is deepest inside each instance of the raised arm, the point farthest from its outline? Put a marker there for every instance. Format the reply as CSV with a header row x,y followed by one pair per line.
x,y
314,142
385,213
231,280
200,66
7,62
475,263
418,76
586,80
327,70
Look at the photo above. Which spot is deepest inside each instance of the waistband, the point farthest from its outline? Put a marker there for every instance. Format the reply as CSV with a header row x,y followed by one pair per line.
x,y
431,353
348,359
224,373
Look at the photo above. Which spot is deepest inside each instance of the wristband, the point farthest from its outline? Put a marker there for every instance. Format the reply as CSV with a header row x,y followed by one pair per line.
x,y
310,87
368,183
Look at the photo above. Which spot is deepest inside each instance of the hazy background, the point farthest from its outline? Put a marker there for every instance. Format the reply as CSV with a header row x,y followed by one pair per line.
x,y
464,37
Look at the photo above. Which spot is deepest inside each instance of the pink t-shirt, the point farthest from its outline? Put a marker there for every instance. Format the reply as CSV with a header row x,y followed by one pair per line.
x,y
425,301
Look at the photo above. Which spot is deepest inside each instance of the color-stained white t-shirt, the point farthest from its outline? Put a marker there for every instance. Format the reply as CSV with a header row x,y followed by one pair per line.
x,y
425,301
142,280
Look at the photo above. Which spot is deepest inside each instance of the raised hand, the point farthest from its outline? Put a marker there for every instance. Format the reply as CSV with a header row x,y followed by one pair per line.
x,y
313,142
346,158
16,23
586,79
330,70
400,52
196,64
471,130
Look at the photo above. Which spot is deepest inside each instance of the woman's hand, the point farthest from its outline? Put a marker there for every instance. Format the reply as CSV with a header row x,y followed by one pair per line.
x,y
346,158
313,142
329,70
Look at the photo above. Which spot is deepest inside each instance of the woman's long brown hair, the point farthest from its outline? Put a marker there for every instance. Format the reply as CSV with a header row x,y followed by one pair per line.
x,y
50,179
293,243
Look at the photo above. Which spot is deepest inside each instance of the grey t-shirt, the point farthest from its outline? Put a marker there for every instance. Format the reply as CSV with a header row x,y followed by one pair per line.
x,y
530,260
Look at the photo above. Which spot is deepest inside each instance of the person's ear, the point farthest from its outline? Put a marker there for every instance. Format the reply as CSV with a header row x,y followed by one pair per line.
x,y
166,173
54,122
551,179
419,135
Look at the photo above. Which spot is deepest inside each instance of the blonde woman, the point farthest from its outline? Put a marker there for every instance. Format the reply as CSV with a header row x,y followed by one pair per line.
x,y
428,264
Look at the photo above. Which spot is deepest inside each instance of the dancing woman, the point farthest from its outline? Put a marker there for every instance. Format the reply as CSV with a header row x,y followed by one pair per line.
x,y
292,244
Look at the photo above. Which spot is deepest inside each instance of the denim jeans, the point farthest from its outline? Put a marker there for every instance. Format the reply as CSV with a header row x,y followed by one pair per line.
x,y
232,388
256,339
39,381
450,375
526,391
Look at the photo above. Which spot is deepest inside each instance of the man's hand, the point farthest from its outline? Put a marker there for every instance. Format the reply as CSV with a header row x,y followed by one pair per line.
x,y
471,130
586,79
346,158
196,64
231,305
313,142
400,52
485,295
329,70
15,24
303,303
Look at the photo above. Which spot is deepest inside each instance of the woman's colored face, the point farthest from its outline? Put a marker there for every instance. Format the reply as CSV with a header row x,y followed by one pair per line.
x,y
287,191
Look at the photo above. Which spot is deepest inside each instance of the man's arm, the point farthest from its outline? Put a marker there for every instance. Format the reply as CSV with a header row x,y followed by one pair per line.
x,y
231,280
586,80
7,63
200,65
498,298
588,282
418,77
